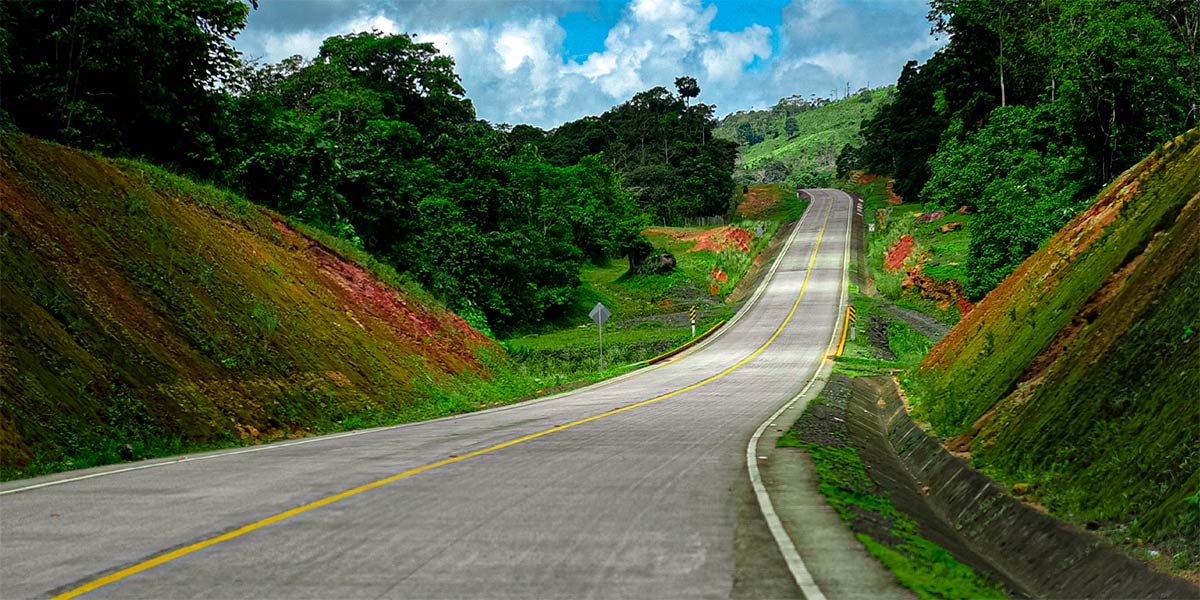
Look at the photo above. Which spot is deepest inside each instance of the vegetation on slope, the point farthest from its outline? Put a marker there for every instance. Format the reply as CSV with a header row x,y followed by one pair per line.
x,y
916,257
144,315
1078,372
1029,110
798,140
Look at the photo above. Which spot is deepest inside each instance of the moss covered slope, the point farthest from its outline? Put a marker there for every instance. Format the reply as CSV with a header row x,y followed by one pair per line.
x,y
1079,373
144,314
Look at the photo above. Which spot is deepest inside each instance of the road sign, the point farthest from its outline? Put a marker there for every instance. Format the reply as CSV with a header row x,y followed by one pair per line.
x,y
600,313
760,231
850,313
692,312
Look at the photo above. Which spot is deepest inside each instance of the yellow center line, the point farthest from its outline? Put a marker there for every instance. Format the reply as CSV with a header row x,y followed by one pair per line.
x,y
181,552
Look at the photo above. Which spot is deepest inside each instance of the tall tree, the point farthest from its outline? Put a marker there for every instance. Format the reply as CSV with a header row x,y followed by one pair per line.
x,y
121,76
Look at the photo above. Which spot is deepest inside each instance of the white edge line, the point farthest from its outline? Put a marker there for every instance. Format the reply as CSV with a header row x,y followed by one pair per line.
x,y
808,586
175,460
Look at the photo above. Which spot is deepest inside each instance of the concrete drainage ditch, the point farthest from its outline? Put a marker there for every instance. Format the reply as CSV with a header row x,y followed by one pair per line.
x,y
970,515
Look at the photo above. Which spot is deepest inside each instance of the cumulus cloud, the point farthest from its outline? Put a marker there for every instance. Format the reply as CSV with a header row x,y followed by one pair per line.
x,y
827,43
511,56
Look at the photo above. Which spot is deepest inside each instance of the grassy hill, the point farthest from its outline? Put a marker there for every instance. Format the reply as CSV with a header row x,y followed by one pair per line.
x,y
144,314
805,152
1078,374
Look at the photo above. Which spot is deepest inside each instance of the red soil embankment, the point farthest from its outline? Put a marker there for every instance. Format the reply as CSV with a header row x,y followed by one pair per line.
x,y
894,259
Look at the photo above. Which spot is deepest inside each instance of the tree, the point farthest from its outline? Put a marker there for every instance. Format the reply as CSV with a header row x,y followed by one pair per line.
x,y
687,87
1023,176
747,135
1125,92
121,76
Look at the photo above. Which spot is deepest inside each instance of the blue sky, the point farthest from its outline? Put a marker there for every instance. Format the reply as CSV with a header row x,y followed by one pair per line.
x,y
547,62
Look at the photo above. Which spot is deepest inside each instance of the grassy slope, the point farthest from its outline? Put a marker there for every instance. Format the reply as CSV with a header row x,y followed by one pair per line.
x,y
140,308
942,256
820,134
1078,373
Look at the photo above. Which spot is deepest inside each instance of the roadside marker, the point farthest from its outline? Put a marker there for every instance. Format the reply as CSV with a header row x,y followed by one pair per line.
x,y
693,313
849,327
600,314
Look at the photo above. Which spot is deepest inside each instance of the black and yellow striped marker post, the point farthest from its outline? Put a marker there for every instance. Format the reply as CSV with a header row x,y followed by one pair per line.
x,y
850,327
692,312
852,319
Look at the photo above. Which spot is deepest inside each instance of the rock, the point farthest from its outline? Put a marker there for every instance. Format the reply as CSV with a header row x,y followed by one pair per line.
x,y
1020,489
930,217
666,262
954,226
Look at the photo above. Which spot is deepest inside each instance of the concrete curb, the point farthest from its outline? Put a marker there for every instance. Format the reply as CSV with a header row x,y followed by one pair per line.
x,y
682,347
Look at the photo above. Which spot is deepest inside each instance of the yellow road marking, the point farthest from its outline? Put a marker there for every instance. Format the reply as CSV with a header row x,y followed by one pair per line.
x,y
181,552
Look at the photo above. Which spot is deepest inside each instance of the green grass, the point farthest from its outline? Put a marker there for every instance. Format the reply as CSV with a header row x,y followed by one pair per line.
x,y
789,439
907,344
929,570
560,357
945,254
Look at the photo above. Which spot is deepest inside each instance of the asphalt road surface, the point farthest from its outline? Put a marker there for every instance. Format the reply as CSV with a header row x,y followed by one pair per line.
x,y
634,488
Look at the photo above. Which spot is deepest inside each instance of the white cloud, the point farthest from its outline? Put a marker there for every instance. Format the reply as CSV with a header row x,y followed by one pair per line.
x,y
510,55
725,60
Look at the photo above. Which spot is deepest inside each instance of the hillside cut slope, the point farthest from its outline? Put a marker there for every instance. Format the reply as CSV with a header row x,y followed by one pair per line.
x,y
143,314
1079,373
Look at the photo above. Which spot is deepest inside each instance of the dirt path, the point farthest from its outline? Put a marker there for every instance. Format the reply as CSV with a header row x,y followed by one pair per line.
x,y
926,325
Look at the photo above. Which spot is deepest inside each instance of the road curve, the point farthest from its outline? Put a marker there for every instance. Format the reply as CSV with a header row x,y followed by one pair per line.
x,y
635,488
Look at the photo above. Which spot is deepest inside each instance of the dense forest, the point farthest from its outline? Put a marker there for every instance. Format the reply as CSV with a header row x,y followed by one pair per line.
x,y
662,145
1029,110
373,140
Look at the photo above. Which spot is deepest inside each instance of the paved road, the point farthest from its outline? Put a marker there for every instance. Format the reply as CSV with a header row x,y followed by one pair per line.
x,y
649,500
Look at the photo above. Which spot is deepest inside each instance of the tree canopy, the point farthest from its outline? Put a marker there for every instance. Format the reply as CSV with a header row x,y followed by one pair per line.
x,y
1031,108
662,145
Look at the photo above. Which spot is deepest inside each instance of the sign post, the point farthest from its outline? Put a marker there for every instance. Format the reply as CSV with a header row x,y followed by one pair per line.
x,y
692,312
600,314
853,322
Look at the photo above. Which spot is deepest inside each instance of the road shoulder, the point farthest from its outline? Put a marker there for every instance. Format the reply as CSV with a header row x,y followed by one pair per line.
x,y
838,563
